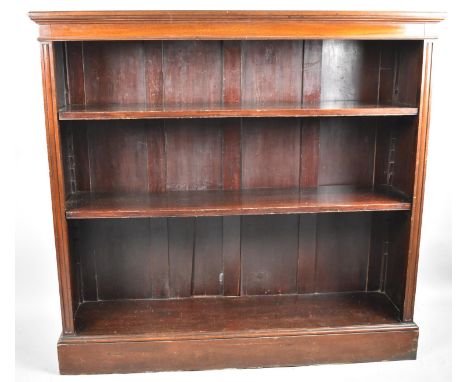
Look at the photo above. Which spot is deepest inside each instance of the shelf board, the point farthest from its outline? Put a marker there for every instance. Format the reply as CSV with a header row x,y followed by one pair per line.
x,y
88,205
222,317
320,109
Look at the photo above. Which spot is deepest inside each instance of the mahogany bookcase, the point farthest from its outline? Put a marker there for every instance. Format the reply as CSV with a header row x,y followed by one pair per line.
x,y
236,189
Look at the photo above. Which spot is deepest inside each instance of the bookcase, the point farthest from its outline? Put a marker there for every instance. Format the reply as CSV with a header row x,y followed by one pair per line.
x,y
236,189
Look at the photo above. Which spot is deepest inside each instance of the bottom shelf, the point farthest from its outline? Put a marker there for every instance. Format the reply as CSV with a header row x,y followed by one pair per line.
x,y
235,332
223,317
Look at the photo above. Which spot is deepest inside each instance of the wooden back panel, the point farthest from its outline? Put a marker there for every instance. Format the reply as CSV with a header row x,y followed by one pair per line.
x,y
204,154
252,255
172,73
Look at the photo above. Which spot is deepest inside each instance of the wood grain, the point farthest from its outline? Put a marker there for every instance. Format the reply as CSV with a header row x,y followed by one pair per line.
x,y
394,342
121,271
342,264
224,203
221,317
193,154
418,191
312,109
271,72
263,167
346,152
207,274
307,254
231,255
199,203
196,67
181,238
57,188
158,262
269,247
118,159
114,73
135,25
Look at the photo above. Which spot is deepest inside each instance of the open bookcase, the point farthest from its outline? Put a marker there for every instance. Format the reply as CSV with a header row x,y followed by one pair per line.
x,y
236,189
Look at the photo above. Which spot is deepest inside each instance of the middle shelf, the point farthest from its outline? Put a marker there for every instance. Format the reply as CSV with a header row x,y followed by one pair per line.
x,y
87,205
316,109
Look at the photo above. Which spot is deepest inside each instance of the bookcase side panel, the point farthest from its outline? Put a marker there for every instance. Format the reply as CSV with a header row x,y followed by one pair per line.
x,y
419,179
57,186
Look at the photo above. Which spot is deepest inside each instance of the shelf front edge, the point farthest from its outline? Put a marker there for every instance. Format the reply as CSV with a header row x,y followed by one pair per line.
x,y
107,214
138,113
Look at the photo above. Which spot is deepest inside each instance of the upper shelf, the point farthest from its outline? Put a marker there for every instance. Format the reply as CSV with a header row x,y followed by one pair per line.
x,y
320,109
88,205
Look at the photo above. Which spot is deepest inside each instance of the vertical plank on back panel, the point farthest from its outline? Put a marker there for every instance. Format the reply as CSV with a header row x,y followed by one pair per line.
x,y
350,70
232,154
410,61
68,159
181,241
194,154
231,255
197,68
309,167
342,251
114,72
159,255
79,131
306,253
75,75
396,272
123,258
118,156
60,74
271,72
208,257
269,254
370,72
153,72
312,67
231,72
75,259
85,250
383,139
378,251
403,177
270,153
156,146
387,71
346,152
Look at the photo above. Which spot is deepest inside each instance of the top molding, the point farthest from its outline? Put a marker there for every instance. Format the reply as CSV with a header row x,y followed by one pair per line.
x,y
173,25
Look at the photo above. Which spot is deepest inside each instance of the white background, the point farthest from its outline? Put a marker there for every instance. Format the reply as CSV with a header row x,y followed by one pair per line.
x,y
37,302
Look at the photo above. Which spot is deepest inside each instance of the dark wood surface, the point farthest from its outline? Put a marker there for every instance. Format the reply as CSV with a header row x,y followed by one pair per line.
x,y
177,79
390,343
242,202
325,108
269,254
68,301
215,154
233,317
199,125
418,180
140,25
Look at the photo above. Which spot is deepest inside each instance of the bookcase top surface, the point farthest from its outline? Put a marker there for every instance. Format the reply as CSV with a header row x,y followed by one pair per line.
x,y
128,25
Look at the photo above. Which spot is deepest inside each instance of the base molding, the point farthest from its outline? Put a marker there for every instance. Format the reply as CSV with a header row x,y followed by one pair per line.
x,y
89,355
